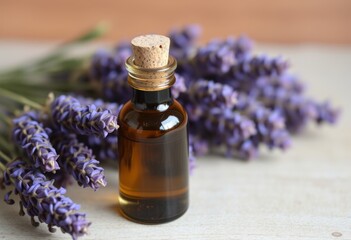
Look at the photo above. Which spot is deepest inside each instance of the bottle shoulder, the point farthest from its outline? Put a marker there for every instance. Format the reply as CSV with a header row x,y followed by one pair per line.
x,y
172,117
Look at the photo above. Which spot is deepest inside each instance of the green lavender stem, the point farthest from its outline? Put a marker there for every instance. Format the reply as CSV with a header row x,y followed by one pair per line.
x,y
5,144
2,166
6,158
56,58
5,119
60,87
20,99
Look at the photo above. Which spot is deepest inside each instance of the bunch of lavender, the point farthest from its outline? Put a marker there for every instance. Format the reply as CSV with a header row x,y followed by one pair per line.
x,y
43,200
30,135
69,115
41,197
259,80
266,81
78,122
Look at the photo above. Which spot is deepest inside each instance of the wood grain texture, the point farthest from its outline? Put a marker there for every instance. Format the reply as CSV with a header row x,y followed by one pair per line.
x,y
325,21
301,194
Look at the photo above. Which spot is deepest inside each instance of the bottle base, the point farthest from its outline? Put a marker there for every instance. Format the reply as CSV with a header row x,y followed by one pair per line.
x,y
153,210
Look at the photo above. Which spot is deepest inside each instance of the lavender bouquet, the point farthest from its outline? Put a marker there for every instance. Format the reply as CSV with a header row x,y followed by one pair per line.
x,y
233,97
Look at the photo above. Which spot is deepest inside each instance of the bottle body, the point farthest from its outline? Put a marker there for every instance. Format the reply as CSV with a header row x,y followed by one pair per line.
x,y
153,158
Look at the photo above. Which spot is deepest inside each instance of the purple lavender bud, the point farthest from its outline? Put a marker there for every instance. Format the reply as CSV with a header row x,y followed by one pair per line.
x,y
78,160
183,42
31,136
43,200
69,115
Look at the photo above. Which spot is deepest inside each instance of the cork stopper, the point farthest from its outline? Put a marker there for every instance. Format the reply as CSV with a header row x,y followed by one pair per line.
x,y
151,51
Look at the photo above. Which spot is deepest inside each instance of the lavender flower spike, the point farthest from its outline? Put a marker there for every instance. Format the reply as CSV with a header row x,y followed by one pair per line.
x,y
43,200
212,94
78,160
31,136
69,115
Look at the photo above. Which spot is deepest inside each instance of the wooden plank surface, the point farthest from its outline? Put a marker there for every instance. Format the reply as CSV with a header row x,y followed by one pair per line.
x,y
326,21
304,193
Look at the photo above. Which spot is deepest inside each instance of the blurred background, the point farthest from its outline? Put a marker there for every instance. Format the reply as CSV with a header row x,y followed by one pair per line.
x,y
274,21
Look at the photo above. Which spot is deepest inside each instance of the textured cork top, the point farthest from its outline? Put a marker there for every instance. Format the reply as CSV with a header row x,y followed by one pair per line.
x,y
151,51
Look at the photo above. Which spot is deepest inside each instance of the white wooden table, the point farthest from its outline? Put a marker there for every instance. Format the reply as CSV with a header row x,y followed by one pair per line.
x,y
304,193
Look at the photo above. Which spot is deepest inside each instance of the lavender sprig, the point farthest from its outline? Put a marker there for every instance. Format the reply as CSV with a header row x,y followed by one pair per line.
x,y
296,108
43,200
230,123
217,58
209,94
78,160
30,135
69,115
244,75
105,149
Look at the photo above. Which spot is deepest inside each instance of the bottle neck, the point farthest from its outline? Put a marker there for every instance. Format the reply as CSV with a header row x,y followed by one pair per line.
x,y
152,100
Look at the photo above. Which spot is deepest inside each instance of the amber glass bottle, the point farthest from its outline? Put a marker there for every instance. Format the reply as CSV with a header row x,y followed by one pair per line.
x,y
153,147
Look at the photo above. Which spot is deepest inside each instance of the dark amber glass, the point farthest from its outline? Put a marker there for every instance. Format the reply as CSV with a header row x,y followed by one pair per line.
x,y
153,158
